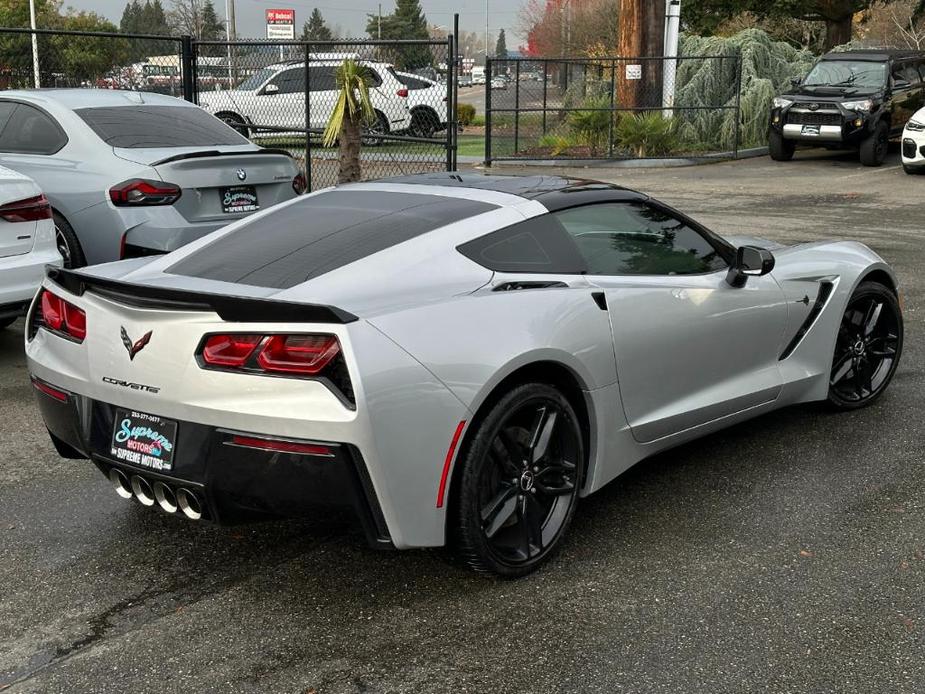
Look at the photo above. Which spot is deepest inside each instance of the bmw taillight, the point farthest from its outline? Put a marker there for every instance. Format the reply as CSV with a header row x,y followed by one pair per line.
x,y
141,192
62,317
292,355
27,210
298,184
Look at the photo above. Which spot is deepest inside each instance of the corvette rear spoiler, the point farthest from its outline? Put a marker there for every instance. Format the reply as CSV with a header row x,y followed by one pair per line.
x,y
243,309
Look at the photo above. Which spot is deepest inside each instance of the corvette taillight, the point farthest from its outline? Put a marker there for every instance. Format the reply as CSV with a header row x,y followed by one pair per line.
x,y
299,355
141,192
62,317
28,210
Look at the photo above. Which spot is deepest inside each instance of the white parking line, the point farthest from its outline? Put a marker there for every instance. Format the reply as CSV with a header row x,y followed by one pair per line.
x,y
868,172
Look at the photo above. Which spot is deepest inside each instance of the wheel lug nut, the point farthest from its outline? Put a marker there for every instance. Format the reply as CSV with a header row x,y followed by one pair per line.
x,y
536,468
533,490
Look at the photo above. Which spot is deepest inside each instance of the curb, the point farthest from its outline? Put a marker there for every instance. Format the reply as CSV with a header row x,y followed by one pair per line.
x,y
621,163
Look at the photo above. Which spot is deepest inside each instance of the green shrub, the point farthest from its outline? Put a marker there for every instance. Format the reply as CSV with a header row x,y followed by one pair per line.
x,y
466,113
557,144
592,127
647,134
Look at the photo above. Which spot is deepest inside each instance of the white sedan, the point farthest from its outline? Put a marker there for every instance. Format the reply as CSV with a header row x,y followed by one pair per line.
x,y
914,143
27,243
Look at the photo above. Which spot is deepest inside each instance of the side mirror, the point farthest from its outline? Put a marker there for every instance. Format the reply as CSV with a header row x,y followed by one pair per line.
x,y
795,82
749,261
271,89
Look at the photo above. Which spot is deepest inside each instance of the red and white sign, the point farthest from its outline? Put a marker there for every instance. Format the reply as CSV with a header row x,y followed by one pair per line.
x,y
281,24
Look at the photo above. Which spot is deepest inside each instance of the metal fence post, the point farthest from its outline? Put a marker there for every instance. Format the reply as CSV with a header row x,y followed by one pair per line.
x,y
188,66
487,111
308,119
738,110
450,101
545,87
516,106
613,113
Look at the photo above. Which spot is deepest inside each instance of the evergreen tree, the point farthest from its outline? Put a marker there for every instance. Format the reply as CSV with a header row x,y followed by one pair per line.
x,y
131,16
212,28
315,29
407,22
501,46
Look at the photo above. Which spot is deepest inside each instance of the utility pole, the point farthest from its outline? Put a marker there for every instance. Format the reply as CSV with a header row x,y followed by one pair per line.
x,y
379,30
486,32
672,27
35,45
230,34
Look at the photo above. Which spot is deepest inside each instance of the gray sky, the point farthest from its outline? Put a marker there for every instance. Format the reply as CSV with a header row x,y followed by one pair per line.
x,y
350,15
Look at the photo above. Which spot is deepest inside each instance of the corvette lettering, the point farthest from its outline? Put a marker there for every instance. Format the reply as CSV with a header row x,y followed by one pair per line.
x,y
129,384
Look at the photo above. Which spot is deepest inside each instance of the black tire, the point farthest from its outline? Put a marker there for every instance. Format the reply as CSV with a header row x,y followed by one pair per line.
x,y
518,482
779,148
875,146
7,322
424,122
867,349
233,120
68,244
379,127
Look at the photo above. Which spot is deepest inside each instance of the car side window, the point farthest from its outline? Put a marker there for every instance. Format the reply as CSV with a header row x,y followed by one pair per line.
x,y
290,81
321,79
638,239
909,73
28,130
537,245
375,79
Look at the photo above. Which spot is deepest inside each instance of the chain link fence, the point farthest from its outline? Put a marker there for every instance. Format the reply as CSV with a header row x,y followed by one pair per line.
x,y
282,95
611,108
278,94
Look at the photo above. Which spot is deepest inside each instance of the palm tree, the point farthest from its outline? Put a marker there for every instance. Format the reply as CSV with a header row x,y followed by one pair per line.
x,y
352,111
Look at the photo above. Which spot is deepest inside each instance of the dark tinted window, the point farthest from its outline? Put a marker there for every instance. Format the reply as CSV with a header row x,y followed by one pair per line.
x,y
637,239
322,78
290,81
158,126
322,233
413,83
375,79
539,244
907,72
29,130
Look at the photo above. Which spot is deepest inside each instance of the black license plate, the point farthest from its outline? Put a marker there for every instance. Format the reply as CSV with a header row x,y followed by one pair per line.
x,y
144,439
810,130
239,199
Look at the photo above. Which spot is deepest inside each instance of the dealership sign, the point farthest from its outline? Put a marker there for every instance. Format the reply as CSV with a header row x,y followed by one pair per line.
x,y
281,24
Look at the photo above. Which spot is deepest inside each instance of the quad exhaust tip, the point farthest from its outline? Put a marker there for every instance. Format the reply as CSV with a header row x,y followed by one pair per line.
x,y
142,490
120,483
165,497
148,494
189,503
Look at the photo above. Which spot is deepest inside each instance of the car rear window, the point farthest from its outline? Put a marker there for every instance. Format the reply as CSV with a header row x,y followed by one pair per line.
x,y
319,234
158,126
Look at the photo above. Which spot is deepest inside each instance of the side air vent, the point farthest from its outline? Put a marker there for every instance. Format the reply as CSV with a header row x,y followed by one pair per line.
x,y
513,286
825,291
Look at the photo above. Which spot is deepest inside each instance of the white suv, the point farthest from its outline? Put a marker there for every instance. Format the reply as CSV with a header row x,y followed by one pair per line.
x,y
272,99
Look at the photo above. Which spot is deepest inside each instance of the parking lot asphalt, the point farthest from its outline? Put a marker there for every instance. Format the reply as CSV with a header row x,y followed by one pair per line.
x,y
784,555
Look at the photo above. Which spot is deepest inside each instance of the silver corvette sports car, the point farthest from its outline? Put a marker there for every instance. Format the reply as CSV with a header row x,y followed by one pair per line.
x,y
458,357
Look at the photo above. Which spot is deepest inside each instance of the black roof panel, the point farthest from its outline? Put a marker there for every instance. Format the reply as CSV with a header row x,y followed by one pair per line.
x,y
555,192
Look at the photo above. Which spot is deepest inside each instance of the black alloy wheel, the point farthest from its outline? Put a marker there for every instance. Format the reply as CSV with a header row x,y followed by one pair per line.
x,y
374,132
67,243
236,122
519,483
867,348
874,149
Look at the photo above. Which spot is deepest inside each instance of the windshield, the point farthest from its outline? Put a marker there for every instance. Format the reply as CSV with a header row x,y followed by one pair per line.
x,y
859,74
257,79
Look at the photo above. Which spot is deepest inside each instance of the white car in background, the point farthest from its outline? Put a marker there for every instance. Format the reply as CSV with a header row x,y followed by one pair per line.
x,y
913,143
272,99
426,104
27,243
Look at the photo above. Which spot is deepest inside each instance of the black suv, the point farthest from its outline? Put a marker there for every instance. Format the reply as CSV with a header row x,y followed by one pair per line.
x,y
855,99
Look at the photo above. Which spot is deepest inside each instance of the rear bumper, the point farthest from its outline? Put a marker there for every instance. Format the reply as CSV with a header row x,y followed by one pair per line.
x,y
21,275
235,484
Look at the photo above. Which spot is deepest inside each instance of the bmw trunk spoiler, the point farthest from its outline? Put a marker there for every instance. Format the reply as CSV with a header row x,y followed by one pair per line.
x,y
243,309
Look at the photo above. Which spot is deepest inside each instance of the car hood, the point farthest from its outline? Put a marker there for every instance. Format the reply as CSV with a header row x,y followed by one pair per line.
x,y
831,94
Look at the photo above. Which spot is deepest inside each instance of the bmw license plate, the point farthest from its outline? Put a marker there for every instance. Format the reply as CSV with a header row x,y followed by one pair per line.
x,y
144,439
236,199
810,130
